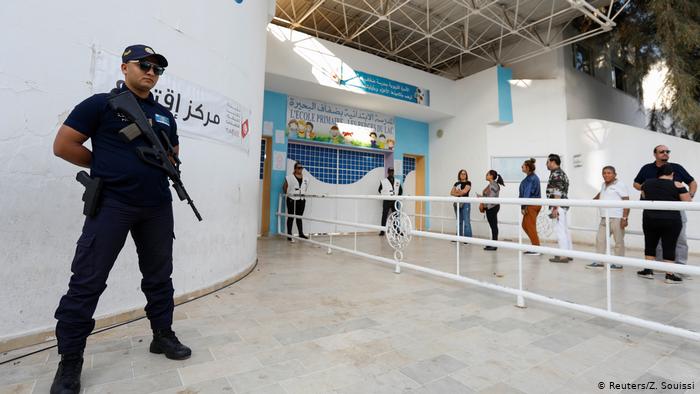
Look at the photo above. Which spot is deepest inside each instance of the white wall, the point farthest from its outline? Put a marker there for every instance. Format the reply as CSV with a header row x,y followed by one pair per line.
x,y
464,140
538,129
587,97
546,66
46,71
626,148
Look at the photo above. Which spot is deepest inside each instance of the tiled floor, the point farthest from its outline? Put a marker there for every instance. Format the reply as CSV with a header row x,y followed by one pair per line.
x,y
307,322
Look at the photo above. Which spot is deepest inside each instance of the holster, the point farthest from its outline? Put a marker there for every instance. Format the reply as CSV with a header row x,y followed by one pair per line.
x,y
92,194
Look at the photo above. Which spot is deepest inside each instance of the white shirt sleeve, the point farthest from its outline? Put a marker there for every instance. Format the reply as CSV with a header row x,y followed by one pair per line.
x,y
622,190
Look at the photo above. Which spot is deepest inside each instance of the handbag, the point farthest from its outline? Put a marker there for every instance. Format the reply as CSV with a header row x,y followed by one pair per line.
x,y
482,207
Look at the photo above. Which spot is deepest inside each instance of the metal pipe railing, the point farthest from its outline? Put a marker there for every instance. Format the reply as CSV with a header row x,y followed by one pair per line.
x,y
520,292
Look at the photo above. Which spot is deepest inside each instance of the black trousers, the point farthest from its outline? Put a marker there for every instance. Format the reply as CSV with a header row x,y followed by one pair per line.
x,y
492,218
387,208
666,230
295,207
98,247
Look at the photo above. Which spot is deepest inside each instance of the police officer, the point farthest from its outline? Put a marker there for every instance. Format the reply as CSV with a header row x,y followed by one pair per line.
x,y
135,199
389,186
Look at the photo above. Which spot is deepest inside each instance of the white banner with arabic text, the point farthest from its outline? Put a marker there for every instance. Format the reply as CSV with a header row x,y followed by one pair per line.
x,y
200,113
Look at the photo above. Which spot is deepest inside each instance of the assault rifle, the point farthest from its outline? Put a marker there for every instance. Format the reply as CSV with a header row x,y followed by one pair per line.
x,y
157,155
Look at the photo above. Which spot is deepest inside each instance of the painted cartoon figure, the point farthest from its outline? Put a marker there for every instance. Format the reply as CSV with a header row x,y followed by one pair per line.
x,y
292,127
382,141
310,130
335,135
390,143
301,129
420,98
347,137
373,139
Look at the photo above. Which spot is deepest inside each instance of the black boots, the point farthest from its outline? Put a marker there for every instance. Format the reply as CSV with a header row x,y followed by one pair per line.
x,y
67,379
165,342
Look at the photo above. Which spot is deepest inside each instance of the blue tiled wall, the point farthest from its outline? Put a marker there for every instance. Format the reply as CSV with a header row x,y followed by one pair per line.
x,y
320,161
334,165
353,165
262,158
409,164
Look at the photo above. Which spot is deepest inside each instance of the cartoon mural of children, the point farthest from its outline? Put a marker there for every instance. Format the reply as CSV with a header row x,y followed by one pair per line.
x,y
347,137
292,127
382,141
372,139
390,143
335,135
310,130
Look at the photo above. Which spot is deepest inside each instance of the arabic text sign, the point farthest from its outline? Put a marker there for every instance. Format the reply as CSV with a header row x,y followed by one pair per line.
x,y
386,87
199,112
337,124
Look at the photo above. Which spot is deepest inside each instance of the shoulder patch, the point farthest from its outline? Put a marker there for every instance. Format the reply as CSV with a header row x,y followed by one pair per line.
x,y
162,119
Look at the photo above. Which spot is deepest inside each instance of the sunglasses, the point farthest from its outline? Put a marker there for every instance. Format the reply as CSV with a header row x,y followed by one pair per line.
x,y
147,66
664,151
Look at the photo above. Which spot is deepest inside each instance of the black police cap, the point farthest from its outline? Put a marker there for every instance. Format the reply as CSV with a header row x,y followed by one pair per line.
x,y
138,52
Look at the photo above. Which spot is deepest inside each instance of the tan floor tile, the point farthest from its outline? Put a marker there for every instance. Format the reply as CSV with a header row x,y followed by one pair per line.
x,y
217,369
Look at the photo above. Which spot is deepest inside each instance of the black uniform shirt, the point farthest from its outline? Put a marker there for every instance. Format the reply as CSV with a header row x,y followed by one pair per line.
x,y
125,176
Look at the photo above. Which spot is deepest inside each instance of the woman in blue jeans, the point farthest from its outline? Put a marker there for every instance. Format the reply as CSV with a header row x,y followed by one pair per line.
x,y
461,188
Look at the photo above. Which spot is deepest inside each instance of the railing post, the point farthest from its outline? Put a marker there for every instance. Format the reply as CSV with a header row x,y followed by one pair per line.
x,y
607,265
356,221
330,242
279,213
457,244
520,300
442,218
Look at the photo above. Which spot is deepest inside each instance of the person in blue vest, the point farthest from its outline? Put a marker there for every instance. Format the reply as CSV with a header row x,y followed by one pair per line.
x,y
135,199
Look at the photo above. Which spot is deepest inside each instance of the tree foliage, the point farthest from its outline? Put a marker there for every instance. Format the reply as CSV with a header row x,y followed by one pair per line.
x,y
652,31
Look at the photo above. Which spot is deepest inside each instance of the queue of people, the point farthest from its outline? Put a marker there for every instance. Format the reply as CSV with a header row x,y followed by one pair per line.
x,y
664,231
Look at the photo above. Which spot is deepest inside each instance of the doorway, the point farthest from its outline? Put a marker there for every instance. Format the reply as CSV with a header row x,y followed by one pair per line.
x,y
414,184
265,175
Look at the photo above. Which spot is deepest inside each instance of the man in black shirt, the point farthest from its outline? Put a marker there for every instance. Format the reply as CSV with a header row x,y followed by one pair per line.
x,y
649,171
135,199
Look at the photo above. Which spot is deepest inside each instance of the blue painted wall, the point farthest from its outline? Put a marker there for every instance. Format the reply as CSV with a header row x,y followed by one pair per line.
x,y
275,111
412,139
505,105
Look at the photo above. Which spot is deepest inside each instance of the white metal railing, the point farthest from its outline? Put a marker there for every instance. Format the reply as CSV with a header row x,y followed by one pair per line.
x,y
519,292
510,223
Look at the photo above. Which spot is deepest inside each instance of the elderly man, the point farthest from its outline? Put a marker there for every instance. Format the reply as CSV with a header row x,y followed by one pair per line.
x,y
611,190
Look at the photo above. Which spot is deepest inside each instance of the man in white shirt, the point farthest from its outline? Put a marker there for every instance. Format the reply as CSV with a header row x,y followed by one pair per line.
x,y
613,190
